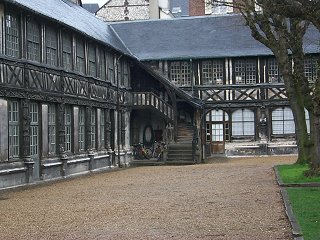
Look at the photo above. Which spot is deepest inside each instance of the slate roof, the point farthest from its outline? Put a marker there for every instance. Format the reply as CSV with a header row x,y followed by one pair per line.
x,y
91,7
76,17
196,37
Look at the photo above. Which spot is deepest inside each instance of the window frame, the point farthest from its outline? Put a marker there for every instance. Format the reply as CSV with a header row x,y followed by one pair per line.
x,y
181,73
13,129
80,65
82,129
93,128
102,139
284,122
68,128
244,71
67,51
51,45
243,122
33,39
92,60
34,128
311,68
52,129
211,71
12,34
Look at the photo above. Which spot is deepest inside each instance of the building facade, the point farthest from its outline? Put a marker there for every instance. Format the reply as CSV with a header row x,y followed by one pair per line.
x,y
76,93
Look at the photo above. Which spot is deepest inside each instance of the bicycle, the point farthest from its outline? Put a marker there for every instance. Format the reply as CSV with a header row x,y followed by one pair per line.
x,y
139,152
159,150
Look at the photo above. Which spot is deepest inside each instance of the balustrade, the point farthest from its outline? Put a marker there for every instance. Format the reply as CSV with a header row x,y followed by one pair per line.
x,y
149,99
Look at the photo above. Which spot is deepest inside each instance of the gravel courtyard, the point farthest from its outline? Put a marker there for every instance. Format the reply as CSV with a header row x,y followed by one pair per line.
x,y
229,199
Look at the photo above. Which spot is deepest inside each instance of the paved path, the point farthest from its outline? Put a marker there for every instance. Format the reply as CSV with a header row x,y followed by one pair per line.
x,y
234,199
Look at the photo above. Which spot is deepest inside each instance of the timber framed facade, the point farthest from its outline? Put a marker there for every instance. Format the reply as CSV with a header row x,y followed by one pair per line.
x,y
77,93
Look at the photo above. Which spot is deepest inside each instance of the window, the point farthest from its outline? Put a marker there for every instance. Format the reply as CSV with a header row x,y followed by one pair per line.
x,y
217,122
67,51
92,61
110,64
273,71
68,128
13,112
12,35
126,73
221,8
80,57
311,69
102,128
243,123
102,64
82,117
33,41
52,128
282,121
245,71
180,73
34,128
51,46
212,72
93,128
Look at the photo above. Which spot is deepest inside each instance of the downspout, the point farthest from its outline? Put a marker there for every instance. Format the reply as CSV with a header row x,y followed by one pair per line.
x,y
118,112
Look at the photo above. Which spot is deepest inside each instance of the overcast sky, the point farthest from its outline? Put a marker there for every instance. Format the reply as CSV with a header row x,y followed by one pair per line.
x,y
100,2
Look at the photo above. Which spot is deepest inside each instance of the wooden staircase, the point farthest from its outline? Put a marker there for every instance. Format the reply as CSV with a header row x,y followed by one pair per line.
x,y
181,151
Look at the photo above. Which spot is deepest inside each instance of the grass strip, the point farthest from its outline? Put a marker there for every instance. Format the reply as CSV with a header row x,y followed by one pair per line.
x,y
306,207
294,174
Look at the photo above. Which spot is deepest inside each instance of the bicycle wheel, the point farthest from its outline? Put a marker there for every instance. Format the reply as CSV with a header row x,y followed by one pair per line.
x,y
148,152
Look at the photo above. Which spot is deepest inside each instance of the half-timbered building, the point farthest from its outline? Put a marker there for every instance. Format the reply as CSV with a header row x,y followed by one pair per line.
x,y
77,93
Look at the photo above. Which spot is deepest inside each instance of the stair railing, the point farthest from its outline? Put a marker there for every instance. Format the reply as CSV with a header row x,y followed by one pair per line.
x,y
152,100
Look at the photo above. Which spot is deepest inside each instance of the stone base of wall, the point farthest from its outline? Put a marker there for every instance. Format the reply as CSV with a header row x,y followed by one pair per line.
x,y
15,174
261,148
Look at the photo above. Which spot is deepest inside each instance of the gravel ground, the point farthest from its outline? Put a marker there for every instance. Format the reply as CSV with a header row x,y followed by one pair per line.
x,y
226,199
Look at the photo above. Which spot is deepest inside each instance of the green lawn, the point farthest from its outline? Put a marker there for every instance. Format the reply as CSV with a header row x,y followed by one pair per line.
x,y
294,174
306,207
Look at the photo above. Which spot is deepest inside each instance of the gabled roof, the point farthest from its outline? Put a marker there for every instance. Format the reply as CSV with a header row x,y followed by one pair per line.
x,y
196,37
74,16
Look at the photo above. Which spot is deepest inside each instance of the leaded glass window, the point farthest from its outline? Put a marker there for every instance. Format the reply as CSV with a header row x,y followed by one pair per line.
x,y
180,73
110,66
212,72
102,128
92,60
33,41
52,128
13,112
80,57
34,125
68,128
34,128
93,128
245,71
282,121
102,64
67,51
311,68
82,129
51,46
243,123
273,71
12,35
126,73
